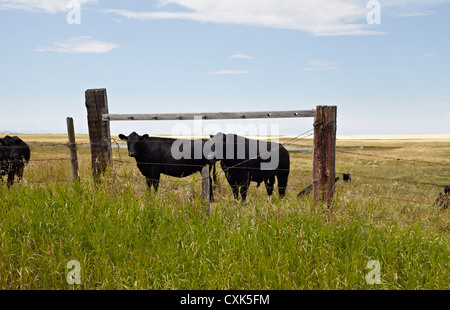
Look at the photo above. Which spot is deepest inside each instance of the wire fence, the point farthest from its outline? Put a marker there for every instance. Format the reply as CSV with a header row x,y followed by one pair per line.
x,y
394,158
118,159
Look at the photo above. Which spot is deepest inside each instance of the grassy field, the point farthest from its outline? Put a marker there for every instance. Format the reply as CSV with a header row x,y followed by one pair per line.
x,y
125,237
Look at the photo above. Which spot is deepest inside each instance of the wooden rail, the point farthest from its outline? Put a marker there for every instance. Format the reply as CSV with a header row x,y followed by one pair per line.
x,y
209,116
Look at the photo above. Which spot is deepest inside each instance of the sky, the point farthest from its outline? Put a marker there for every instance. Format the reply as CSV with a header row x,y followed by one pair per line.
x,y
385,64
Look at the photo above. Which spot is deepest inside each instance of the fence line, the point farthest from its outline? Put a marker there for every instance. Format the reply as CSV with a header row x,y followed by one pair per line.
x,y
290,188
48,159
302,136
394,158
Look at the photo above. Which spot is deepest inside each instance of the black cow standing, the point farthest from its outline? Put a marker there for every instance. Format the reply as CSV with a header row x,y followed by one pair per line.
x,y
347,177
154,157
242,161
14,156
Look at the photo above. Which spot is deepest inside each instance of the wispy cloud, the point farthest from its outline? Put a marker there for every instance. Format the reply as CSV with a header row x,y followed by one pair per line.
x,y
319,17
241,56
415,14
428,55
225,72
321,65
80,45
48,6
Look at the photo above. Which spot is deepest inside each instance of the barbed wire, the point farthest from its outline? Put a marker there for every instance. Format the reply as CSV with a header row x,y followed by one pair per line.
x,y
49,159
291,141
394,158
395,180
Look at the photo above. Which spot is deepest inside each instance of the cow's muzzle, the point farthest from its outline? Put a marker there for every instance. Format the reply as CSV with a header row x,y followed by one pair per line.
x,y
131,154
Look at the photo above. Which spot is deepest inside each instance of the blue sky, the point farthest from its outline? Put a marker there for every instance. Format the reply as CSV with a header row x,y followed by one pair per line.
x,y
172,56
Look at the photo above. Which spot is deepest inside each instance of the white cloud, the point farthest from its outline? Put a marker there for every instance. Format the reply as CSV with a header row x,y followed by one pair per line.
x,y
415,14
321,65
241,56
428,55
403,3
49,6
318,17
225,72
80,45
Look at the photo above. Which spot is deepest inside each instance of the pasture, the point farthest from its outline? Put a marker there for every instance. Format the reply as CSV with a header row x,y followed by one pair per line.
x,y
126,237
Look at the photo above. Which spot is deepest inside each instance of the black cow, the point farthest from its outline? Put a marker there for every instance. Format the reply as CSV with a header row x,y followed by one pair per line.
x,y
14,156
244,160
347,177
155,156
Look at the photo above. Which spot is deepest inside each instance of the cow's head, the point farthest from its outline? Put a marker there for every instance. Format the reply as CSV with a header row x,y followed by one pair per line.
x,y
8,144
9,141
134,142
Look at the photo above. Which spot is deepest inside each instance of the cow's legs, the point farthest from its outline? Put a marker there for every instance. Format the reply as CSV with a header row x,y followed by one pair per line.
x,y
156,184
269,182
11,174
282,178
153,181
149,182
244,189
235,189
20,172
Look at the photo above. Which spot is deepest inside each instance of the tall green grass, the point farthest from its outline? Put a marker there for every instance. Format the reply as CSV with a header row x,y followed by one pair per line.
x,y
125,240
126,237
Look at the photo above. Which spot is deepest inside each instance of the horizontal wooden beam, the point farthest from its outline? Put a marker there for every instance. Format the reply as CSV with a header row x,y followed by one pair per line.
x,y
209,116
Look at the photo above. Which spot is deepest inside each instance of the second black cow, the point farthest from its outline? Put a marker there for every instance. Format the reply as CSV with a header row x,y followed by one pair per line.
x,y
244,160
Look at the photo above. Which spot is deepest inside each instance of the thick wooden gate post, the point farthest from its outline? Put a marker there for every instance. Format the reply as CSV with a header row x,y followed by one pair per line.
x,y
99,132
73,148
324,154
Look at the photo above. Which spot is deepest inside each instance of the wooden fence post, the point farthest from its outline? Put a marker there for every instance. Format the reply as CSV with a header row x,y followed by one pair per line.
x,y
73,149
206,185
99,132
324,154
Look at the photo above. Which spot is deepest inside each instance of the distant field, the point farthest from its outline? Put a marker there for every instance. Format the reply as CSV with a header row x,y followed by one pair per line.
x,y
85,138
429,138
126,237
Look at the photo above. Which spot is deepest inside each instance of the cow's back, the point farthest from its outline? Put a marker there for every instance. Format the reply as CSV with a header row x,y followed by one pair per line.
x,y
158,157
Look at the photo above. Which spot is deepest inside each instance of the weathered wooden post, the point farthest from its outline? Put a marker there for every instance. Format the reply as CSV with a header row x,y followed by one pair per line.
x,y
73,149
324,154
99,132
206,185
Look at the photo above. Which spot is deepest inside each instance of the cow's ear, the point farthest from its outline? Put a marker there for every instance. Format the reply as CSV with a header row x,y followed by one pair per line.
x,y
123,137
145,136
211,136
